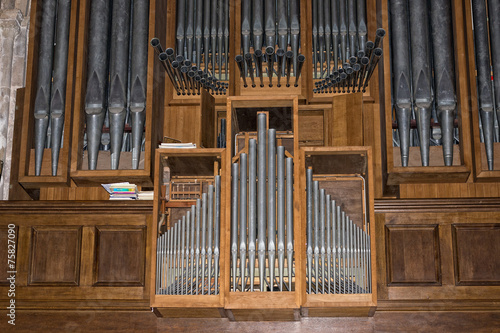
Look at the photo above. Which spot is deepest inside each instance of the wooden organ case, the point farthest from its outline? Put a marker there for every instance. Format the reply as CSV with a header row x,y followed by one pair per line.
x,y
331,224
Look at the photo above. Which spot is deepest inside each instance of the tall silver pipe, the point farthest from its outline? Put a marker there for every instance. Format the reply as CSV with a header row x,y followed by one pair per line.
x,y
234,222
258,24
343,252
361,23
226,37
138,76
192,249
220,35
175,261
210,228
280,55
188,252
217,233
181,21
170,262
421,73
328,35
484,87
444,73
197,250
352,27
316,232
494,25
206,34
295,32
245,25
289,219
213,33
183,253
198,32
271,200
97,77
159,257
58,91
309,223
252,207
189,29
315,37
270,23
339,248
335,32
328,222
400,47
42,100
261,196
243,218
118,74
280,172
344,44
282,23
322,212
203,239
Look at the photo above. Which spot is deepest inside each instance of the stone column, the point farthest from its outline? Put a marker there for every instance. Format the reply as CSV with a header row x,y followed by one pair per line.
x,y
10,27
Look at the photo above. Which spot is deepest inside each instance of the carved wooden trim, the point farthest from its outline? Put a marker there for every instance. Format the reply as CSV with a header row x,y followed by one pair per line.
x,y
76,207
437,205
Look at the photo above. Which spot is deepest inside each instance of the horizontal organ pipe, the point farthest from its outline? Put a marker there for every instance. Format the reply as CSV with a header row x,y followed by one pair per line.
x,y
187,261
273,213
337,250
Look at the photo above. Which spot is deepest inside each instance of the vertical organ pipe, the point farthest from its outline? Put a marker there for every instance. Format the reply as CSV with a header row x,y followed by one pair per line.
x,y
261,195
271,200
280,172
243,218
58,91
289,218
252,207
234,222
42,100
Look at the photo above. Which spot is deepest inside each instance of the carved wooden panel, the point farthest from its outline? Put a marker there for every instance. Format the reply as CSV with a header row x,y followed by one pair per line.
x,y
55,256
477,254
413,256
120,256
7,245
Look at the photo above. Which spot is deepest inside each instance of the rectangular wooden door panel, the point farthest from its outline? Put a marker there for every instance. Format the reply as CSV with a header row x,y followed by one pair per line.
x,y
476,254
120,258
413,256
55,256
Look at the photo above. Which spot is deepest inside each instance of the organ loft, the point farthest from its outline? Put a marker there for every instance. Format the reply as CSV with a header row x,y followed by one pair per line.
x,y
250,165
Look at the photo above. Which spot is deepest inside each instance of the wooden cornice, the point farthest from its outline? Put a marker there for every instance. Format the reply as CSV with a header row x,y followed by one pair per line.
x,y
437,205
77,207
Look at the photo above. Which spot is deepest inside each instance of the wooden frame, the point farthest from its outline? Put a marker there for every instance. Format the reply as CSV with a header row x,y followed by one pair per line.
x,y
27,153
154,108
436,172
340,304
187,305
481,172
258,305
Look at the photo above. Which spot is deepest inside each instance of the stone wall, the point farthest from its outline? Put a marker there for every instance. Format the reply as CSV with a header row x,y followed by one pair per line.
x,y
14,25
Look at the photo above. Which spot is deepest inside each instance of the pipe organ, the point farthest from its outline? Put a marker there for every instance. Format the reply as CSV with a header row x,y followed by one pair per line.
x,y
299,117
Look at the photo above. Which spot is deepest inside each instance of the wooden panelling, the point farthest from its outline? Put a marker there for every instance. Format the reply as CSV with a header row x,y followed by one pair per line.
x,y
477,254
183,123
346,121
450,190
413,255
120,256
311,127
55,256
6,246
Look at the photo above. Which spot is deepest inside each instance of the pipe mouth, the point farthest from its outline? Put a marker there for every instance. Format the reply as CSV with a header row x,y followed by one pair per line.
x,y
248,56
269,50
238,58
370,45
191,74
356,67
175,64
361,54
169,51
343,76
301,58
380,32
163,56
194,69
187,63
378,52
154,42
200,72
280,52
179,58
353,60
258,53
365,61
289,54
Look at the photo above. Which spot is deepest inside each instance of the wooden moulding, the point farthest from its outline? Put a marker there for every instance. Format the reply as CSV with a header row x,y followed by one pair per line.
x,y
195,306
27,153
261,305
154,109
481,172
169,40
303,85
371,94
436,172
339,161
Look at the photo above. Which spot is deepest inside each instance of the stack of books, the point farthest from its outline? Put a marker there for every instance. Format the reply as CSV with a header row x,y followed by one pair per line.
x,y
121,191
